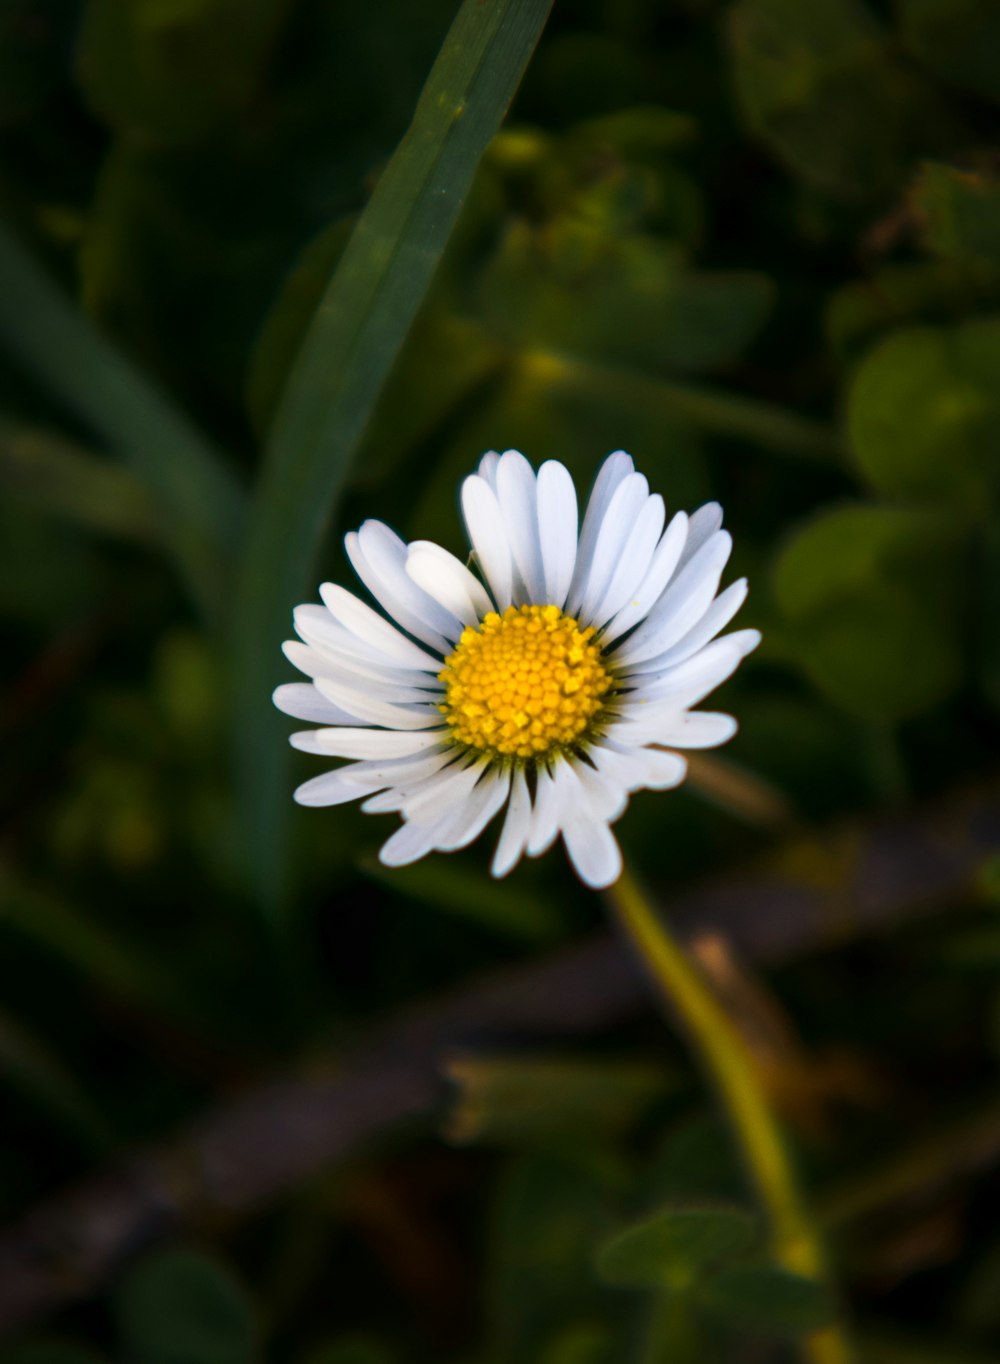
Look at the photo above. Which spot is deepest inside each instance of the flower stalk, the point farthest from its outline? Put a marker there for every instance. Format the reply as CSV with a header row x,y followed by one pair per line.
x,y
729,1065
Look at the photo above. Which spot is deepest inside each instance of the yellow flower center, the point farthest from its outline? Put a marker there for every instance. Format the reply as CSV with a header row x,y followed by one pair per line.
x,y
523,683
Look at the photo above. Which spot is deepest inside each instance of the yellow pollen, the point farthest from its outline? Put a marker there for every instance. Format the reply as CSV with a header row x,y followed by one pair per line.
x,y
523,683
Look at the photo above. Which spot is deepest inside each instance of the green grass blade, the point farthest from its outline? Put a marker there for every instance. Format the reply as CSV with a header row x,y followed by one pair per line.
x,y
356,334
198,499
43,470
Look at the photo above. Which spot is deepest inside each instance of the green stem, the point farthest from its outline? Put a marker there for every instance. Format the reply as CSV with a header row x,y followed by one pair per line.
x,y
733,1072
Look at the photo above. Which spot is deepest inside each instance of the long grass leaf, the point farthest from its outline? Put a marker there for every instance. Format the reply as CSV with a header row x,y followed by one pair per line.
x,y
199,500
349,349
44,470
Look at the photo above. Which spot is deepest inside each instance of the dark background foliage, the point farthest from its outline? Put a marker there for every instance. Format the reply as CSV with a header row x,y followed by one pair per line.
x,y
758,246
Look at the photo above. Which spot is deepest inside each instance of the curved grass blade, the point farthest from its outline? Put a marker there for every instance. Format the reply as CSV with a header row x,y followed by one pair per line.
x,y
349,349
44,470
199,500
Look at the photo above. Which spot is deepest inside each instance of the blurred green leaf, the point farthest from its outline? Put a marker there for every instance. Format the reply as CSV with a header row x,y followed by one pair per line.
x,y
353,1350
549,1214
288,319
584,1344
29,1064
817,87
543,1100
675,1334
987,614
870,595
859,312
174,69
47,472
767,1299
50,1352
580,287
924,414
516,912
676,1246
960,214
124,971
697,1163
50,573
199,500
35,42
181,1307
355,336
957,40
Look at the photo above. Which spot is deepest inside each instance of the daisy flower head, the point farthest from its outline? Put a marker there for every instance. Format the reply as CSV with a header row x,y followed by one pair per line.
x,y
557,680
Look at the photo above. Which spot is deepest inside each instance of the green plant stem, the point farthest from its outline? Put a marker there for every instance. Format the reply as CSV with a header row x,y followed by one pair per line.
x,y
728,1063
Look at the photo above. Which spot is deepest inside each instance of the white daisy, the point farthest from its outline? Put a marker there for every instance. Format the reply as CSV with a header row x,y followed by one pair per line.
x,y
556,683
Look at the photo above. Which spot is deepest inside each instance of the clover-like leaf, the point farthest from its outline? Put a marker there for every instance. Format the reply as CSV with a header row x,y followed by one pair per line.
x,y
676,1246
767,1299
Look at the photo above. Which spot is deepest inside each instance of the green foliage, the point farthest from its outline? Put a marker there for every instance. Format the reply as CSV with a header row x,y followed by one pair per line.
x,y
869,598
676,1246
757,245
181,1307
538,1101
924,415
763,1298
958,40
960,212
818,86
168,71
50,1352
199,496
356,1350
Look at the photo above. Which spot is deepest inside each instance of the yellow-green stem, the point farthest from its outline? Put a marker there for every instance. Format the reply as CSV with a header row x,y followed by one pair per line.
x,y
727,1061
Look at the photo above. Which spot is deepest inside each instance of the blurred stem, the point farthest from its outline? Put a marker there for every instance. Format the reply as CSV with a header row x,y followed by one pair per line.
x,y
728,1063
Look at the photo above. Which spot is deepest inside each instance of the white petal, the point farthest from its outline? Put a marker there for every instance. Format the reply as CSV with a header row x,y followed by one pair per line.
x,y
444,792
593,850
662,567
408,844
344,686
350,660
473,815
369,627
685,685
374,710
614,469
488,468
484,523
600,790
557,526
379,559
640,768
519,504
616,529
635,556
514,836
545,815
448,581
716,618
401,772
332,788
697,729
701,527
374,743
302,701
682,605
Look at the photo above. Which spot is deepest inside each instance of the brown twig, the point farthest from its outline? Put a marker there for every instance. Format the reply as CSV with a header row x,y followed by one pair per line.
x,y
814,892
